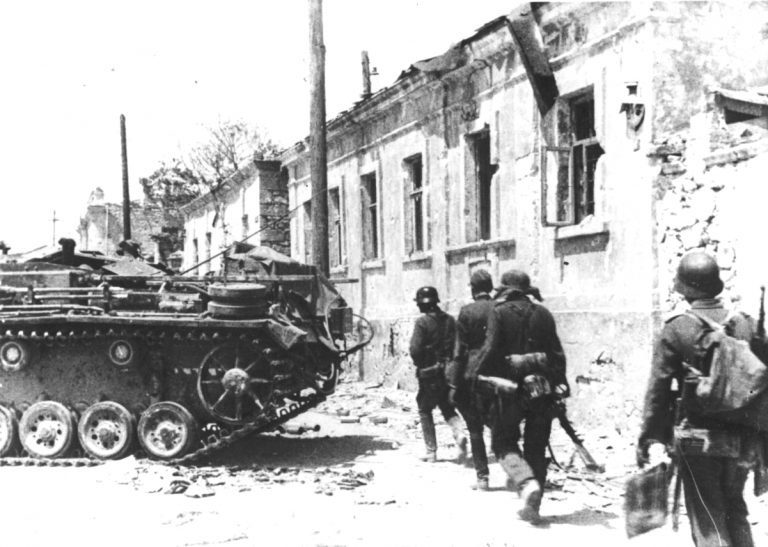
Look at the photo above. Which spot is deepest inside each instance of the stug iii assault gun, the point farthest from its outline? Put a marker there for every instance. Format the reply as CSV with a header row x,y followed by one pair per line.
x,y
101,358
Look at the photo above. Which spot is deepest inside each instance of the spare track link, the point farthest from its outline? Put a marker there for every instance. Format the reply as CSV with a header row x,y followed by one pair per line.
x,y
81,334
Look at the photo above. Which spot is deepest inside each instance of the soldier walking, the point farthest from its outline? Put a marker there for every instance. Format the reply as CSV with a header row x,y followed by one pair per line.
x,y
470,335
713,485
431,348
521,344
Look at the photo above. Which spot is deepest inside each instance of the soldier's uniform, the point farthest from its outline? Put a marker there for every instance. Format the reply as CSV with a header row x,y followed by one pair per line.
x,y
713,486
431,347
470,335
516,325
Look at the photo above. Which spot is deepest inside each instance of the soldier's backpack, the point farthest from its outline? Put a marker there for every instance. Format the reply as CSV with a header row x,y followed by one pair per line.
x,y
732,377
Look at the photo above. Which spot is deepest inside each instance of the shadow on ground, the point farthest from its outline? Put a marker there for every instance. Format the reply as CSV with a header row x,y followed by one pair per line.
x,y
582,517
269,450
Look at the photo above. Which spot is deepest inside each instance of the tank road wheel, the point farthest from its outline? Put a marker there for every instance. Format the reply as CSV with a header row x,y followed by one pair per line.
x,y
235,384
238,293
9,428
106,430
46,429
15,355
167,430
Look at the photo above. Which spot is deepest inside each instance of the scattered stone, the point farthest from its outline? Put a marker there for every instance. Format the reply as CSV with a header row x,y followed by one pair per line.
x,y
378,419
350,420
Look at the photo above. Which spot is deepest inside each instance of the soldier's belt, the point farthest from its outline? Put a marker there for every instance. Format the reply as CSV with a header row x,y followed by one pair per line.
x,y
430,373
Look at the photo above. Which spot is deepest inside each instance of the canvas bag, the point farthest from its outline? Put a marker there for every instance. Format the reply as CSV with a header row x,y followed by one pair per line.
x,y
736,376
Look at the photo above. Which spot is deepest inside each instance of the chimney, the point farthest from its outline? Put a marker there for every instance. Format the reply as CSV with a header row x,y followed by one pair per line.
x,y
366,75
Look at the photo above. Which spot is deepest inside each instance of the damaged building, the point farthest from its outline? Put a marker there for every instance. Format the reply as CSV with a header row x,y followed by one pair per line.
x,y
589,144
251,204
158,231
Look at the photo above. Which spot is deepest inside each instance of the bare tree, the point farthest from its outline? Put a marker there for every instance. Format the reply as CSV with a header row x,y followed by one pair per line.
x,y
229,146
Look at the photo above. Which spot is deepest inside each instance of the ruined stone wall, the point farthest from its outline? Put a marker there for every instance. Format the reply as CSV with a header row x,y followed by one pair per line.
x,y
713,201
102,228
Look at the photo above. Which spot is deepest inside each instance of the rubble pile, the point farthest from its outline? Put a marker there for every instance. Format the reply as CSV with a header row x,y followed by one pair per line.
x,y
204,481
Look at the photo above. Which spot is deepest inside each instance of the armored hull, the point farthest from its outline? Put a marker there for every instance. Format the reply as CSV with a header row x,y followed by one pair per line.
x,y
165,366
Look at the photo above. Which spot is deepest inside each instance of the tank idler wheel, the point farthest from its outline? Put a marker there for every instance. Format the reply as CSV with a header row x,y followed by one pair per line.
x,y
15,355
9,429
235,383
47,429
326,382
106,430
167,430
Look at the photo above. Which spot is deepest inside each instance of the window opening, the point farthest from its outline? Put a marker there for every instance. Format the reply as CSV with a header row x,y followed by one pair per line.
x,y
370,216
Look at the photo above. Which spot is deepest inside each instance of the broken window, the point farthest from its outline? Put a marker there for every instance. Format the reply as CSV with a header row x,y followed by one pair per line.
x,y
479,175
570,162
370,211
416,216
307,224
336,228
195,252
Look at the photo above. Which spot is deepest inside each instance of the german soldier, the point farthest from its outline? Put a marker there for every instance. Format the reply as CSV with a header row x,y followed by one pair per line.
x,y
470,335
713,485
431,348
521,344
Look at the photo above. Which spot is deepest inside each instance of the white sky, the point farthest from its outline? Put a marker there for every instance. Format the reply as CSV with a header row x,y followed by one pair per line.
x,y
69,69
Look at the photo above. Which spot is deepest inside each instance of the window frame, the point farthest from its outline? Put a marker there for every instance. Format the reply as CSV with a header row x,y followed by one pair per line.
x,y
417,229
371,210
567,163
479,225
338,256
306,227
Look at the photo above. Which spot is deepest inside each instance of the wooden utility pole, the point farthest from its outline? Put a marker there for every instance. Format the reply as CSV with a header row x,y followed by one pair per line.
x,y
317,144
126,195
54,220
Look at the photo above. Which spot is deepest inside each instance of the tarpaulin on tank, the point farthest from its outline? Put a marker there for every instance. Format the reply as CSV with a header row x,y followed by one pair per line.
x,y
318,292
251,258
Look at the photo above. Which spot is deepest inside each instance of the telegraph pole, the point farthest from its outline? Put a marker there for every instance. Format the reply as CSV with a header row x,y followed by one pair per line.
x,y
54,220
126,195
317,142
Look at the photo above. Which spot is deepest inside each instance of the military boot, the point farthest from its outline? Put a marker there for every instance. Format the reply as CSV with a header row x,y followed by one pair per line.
x,y
530,493
430,437
457,428
481,485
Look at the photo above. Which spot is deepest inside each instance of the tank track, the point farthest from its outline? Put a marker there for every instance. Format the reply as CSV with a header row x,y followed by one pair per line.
x,y
154,337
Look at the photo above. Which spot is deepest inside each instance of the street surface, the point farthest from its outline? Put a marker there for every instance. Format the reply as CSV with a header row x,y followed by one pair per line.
x,y
358,483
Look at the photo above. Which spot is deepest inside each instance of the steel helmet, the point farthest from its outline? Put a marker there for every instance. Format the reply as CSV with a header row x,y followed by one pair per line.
x,y
427,295
698,276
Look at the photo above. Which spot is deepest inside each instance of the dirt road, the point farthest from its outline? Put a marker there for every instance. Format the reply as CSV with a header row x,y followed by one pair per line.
x,y
357,483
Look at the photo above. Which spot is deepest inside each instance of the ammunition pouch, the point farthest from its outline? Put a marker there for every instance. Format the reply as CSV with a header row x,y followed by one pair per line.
x,y
435,372
525,364
715,443
536,386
